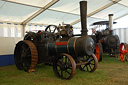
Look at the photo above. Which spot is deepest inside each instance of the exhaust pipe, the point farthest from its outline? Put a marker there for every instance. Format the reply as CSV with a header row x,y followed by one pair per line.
x,y
83,14
110,22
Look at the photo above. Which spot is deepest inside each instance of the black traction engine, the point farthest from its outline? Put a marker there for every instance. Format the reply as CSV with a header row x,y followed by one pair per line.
x,y
109,41
57,46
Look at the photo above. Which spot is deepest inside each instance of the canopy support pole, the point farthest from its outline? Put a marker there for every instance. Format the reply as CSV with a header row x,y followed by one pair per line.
x,y
23,30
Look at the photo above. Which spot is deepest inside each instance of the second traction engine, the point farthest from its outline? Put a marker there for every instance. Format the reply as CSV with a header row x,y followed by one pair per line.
x,y
106,38
58,47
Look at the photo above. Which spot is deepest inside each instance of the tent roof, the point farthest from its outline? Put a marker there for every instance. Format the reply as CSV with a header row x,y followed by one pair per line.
x,y
58,11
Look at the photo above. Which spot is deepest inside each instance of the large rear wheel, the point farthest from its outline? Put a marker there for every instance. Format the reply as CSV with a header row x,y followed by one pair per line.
x,y
26,56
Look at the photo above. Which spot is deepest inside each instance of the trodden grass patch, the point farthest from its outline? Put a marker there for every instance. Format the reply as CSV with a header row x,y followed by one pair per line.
x,y
111,71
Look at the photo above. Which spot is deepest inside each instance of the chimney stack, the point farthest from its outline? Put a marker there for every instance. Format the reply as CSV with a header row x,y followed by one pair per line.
x,y
83,14
110,22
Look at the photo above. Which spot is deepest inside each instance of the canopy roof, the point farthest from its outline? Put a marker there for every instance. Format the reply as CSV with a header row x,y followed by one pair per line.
x,y
59,11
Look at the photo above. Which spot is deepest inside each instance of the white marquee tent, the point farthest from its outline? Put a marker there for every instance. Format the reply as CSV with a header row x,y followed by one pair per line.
x,y
36,14
19,16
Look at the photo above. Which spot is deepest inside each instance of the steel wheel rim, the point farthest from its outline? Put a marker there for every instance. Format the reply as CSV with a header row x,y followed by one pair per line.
x,y
97,52
64,66
23,56
26,60
91,65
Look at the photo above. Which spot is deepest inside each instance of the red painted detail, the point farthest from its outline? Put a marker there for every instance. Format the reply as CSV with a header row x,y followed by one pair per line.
x,y
122,51
97,52
101,41
127,47
61,43
40,33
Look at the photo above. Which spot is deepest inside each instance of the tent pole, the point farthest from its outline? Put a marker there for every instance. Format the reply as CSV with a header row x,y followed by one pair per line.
x,y
23,30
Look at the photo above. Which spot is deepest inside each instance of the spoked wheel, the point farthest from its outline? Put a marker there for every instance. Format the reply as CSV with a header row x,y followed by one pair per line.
x,y
123,52
121,49
64,66
99,52
126,55
25,56
90,65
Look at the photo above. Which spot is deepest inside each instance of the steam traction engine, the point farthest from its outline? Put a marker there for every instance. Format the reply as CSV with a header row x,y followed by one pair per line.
x,y
110,43
57,46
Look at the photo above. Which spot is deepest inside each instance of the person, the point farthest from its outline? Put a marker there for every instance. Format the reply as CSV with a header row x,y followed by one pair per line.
x,y
93,31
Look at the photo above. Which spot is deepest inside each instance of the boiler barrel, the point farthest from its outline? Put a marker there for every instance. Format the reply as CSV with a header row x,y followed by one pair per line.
x,y
74,46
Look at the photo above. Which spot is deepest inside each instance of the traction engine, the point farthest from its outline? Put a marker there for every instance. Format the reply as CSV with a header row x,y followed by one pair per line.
x,y
57,46
108,42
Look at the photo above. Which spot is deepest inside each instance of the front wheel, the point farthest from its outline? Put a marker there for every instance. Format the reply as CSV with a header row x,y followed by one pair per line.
x,y
91,64
64,66
123,52
99,52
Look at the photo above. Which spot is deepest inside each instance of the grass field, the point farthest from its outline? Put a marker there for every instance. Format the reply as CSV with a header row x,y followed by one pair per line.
x,y
111,71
